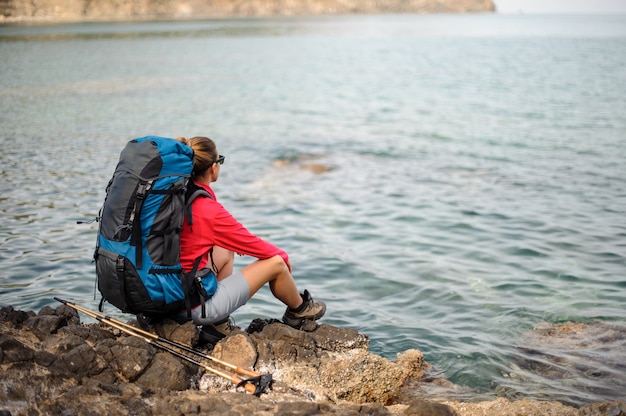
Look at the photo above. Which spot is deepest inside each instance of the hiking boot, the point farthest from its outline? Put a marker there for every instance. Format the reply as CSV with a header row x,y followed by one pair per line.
x,y
309,310
212,333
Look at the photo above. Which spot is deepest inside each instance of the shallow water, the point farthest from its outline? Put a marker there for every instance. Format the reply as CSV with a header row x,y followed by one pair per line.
x,y
475,185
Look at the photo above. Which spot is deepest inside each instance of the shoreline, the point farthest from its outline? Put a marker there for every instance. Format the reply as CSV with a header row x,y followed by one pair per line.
x,y
53,363
84,11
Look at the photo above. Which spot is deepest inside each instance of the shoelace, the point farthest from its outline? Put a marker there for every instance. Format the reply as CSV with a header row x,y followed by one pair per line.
x,y
231,324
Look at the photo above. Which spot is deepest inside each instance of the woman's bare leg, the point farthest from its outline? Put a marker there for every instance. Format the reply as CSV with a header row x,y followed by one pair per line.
x,y
224,261
275,272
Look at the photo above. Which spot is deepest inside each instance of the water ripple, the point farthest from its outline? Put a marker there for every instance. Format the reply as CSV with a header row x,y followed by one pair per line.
x,y
431,207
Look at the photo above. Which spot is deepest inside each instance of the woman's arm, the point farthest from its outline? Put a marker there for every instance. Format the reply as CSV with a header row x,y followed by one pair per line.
x,y
232,235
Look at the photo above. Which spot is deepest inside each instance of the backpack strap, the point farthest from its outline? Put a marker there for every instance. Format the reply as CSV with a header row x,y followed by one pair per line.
x,y
188,280
193,280
135,216
201,293
193,192
120,271
135,219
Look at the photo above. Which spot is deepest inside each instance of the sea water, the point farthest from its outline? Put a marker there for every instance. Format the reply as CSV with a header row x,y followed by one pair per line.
x,y
445,183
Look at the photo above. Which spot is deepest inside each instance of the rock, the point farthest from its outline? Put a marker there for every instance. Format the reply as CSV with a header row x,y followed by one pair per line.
x,y
59,345
13,351
12,317
44,325
590,356
48,321
186,333
237,349
604,409
428,408
503,407
95,398
165,372
358,376
86,10
127,357
91,333
52,364
44,358
79,362
412,362
327,364
317,168
278,340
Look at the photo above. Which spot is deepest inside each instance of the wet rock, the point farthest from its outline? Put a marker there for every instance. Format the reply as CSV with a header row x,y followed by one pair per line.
x,y
69,314
421,407
327,364
504,407
127,357
186,333
14,351
604,409
91,333
44,358
165,372
237,349
95,398
358,376
79,362
279,340
304,162
59,345
197,405
12,317
302,409
54,365
591,356
44,325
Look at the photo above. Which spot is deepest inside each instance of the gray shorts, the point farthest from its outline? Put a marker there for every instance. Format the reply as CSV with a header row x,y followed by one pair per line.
x,y
232,293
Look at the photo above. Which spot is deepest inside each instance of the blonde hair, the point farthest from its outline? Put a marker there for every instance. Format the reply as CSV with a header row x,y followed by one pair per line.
x,y
204,153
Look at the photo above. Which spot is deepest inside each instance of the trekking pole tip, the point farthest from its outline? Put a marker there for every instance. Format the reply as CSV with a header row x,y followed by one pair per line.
x,y
257,385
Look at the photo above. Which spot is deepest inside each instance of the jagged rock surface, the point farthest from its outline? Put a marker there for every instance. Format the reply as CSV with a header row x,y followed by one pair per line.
x,y
53,364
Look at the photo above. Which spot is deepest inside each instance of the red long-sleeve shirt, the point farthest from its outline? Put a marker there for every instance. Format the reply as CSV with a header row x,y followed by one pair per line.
x,y
212,226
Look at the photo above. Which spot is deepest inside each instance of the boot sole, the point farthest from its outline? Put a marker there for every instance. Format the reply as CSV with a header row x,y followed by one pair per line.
x,y
296,322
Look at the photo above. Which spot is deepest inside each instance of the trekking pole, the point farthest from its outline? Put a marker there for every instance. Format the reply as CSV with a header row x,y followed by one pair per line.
x,y
256,384
96,315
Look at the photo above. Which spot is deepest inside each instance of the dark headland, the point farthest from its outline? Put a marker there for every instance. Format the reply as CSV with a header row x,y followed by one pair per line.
x,y
15,11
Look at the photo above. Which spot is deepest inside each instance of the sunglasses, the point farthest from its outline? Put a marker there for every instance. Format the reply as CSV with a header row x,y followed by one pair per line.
x,y
220,160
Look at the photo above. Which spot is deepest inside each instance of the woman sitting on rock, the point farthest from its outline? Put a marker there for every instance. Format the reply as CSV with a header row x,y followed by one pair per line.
x,y
216,235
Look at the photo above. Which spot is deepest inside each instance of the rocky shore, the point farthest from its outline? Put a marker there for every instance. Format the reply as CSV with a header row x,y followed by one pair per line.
x,y
51,364
130,10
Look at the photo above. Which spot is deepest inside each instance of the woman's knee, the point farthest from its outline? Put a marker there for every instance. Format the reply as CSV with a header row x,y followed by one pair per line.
x,y
264,271
272,266
279,265
223,260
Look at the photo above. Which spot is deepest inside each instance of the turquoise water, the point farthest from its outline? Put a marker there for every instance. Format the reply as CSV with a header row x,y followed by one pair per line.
x,y
474,185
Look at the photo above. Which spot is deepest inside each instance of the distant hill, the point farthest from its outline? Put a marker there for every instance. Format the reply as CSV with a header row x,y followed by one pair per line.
x,y
125,10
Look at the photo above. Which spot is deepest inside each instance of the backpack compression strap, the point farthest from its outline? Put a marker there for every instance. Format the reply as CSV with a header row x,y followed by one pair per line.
x,y
135,219
192,277
188,280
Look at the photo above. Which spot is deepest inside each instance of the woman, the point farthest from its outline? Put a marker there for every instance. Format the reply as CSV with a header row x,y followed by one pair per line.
x,y
216,235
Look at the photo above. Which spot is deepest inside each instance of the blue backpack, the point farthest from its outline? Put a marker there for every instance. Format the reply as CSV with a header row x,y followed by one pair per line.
x,y
138,247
